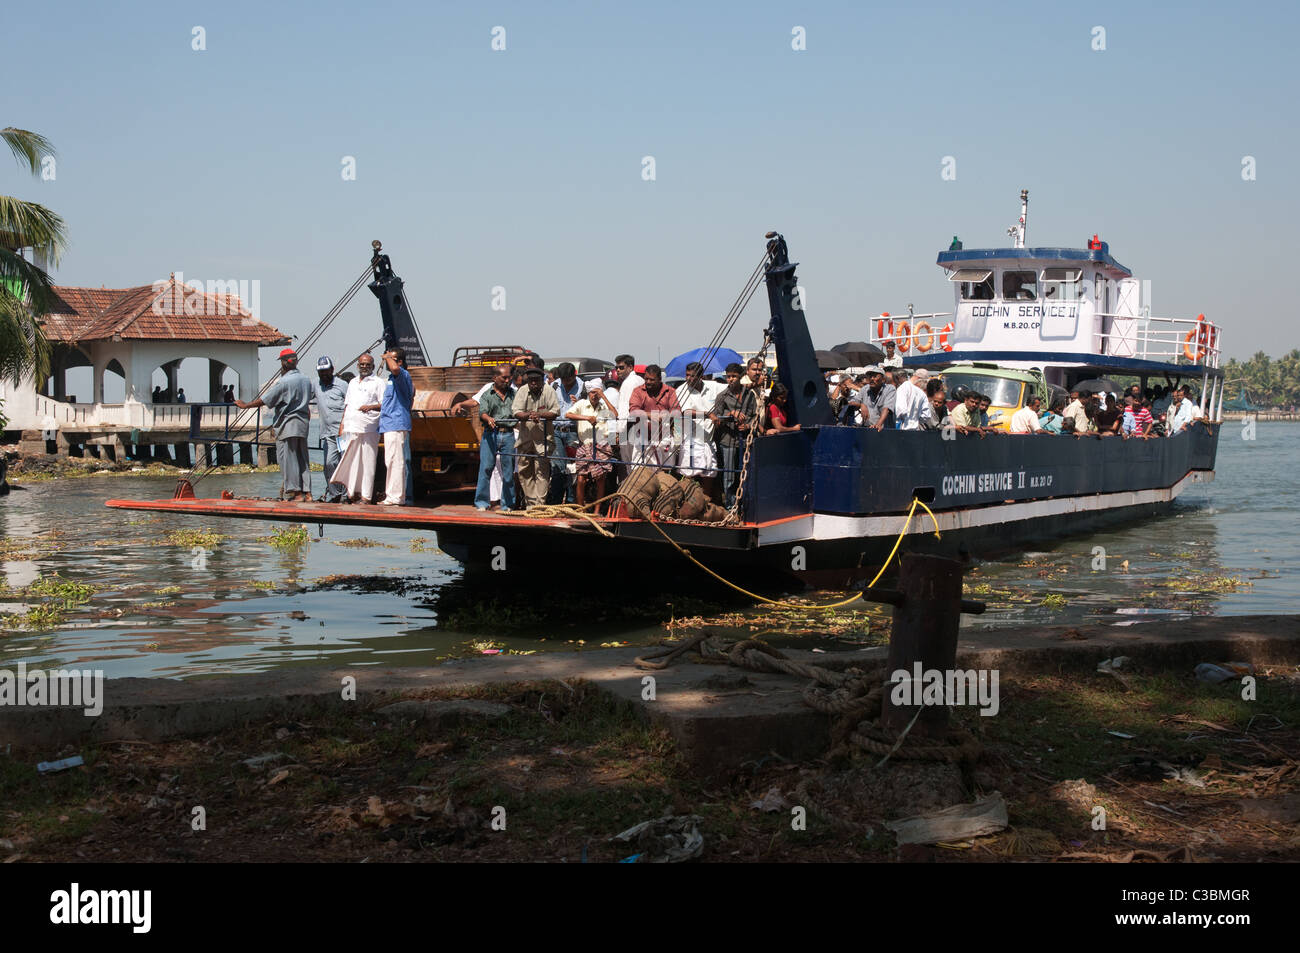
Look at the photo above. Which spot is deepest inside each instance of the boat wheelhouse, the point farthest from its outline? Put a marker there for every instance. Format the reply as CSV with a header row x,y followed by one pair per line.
x,y
1071,313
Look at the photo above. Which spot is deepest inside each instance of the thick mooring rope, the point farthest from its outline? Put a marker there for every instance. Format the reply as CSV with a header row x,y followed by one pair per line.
x,y
854,698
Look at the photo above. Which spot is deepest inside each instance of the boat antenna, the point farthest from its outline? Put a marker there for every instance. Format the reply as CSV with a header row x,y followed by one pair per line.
x,y
1017,231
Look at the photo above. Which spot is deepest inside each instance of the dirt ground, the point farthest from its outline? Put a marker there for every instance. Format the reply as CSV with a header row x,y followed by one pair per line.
x,y
1207,776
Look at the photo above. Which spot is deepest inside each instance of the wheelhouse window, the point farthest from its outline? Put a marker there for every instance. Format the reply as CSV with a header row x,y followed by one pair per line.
x,y
1062,284
1019,286
975,284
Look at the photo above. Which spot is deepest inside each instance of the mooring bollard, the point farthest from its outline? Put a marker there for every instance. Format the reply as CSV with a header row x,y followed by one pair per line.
x,y
926,619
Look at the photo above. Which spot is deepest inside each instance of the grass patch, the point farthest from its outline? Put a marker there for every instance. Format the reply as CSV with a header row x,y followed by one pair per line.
x,y
289,538
60,596
54,587
190,538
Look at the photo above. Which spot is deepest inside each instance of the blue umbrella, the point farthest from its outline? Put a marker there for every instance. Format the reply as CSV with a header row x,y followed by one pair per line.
x,y
721,358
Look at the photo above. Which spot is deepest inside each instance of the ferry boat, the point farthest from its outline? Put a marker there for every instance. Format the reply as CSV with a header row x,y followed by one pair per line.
x,y
826,503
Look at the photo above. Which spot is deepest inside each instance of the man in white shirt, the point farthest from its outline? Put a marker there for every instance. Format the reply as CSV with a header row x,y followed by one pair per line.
x,y
359,431
1075,411
696,398
628,381
1025,420
892,357
593,414
1180,411
910,403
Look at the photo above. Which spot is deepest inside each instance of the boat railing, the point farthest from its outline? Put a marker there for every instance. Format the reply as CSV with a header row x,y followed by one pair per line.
x,y
1192,341
888,327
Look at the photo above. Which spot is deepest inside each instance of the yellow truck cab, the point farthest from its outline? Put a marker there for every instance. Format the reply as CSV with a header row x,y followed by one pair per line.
x,y
1007,389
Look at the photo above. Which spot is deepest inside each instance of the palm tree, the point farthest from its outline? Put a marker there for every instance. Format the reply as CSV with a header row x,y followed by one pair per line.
x,y
25,289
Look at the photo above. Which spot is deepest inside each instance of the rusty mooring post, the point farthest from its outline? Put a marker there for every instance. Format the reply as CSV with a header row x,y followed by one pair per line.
x,y
925,631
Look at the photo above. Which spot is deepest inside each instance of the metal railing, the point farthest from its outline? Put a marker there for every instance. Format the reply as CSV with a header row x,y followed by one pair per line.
x,y
1149,337
1189,341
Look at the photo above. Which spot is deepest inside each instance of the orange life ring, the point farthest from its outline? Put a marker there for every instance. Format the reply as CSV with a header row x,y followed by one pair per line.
x,y
929,336
884,330
1201,335
944,331
903,335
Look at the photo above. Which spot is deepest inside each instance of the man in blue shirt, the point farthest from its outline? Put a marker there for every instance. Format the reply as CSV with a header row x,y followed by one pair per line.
x,y
331,395
290,398
395,425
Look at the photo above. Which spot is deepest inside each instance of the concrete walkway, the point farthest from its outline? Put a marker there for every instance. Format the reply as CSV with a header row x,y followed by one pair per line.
x,y
721,717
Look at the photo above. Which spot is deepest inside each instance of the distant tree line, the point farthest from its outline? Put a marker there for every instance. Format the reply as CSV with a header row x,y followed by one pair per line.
x,y
1268,383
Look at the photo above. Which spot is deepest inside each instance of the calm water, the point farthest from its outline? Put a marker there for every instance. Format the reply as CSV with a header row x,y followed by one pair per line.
x,y
1229,548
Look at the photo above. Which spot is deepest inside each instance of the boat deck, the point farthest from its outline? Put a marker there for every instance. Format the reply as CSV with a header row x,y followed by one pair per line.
x,y
402,517
416,517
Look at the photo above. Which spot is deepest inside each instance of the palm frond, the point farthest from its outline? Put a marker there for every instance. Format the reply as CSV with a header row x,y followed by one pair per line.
x,y
28,147
23,346
41,297
30,225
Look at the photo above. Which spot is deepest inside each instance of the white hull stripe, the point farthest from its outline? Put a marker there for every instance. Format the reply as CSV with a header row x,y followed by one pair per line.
x,y
824,526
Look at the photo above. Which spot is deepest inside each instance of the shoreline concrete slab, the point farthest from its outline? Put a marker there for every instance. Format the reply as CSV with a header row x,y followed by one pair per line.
x,y
720,717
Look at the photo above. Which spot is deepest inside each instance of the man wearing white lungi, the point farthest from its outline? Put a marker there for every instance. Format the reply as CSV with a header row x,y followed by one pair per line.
x,y
360,432
697,457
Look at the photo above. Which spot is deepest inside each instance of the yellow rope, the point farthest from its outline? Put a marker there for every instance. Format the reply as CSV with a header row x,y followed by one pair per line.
x,y
570,510
800,605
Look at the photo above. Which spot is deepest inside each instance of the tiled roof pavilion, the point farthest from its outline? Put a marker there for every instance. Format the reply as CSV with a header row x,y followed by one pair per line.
x,y
135,331
169,311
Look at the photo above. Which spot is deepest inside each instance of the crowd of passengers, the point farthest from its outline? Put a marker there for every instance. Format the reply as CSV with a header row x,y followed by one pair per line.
x,y
554,436
899,398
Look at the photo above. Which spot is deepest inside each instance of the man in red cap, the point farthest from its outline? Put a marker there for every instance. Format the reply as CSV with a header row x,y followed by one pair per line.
x,y
290,398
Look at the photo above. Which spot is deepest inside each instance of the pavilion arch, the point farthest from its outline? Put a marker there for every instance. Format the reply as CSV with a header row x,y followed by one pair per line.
x,y
108,391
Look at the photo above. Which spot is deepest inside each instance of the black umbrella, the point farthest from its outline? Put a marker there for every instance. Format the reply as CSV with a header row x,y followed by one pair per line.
x,y
1098,384
860,353
831,361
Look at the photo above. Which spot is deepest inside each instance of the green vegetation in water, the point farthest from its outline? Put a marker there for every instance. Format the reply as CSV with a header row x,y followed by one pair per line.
x,y
61,597
262,584
45,616
1053,600
189,538
289,538
421,544
361,542
1206,583
57,589
167,591
30,547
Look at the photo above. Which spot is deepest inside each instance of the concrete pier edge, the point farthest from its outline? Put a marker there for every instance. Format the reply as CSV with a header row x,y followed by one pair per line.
x,y
718,724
